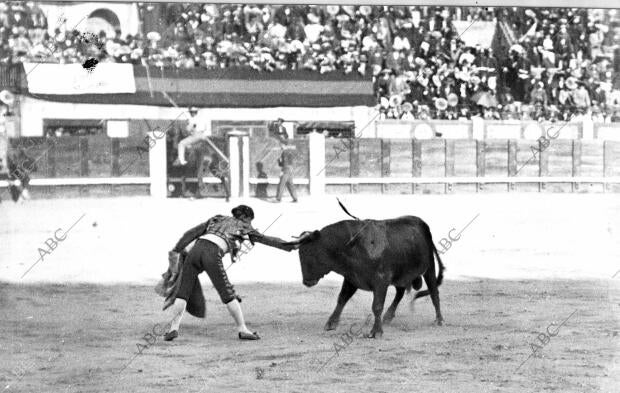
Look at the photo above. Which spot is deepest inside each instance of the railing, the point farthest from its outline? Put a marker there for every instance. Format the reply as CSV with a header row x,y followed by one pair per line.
x,y
87,181
480,129
440,165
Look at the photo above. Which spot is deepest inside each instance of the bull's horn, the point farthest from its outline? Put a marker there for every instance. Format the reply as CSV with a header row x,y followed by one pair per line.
x,y
303,235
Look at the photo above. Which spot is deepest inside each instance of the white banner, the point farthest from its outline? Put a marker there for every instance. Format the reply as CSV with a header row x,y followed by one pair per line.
x,y
475,32
68,79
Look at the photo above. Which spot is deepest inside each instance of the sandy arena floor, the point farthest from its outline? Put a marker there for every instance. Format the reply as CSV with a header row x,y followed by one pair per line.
x,y
80,338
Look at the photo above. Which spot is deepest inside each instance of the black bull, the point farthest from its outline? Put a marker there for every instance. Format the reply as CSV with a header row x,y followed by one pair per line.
x,y
372,255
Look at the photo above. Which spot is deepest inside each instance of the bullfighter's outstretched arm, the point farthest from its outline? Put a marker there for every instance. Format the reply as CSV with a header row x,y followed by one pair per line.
x,y
271,241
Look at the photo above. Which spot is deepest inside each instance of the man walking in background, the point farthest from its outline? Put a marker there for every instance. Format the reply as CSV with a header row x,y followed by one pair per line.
x,y
286,180
20,165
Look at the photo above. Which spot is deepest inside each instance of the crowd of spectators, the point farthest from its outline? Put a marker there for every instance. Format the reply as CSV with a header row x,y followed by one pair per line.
x,y
558,63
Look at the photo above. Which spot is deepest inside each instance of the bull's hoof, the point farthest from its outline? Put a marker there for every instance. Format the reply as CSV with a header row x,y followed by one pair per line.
x,y
374,334
331,325
388,316
438,322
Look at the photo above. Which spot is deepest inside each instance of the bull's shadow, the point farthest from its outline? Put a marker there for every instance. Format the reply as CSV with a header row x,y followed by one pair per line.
x,y
372,255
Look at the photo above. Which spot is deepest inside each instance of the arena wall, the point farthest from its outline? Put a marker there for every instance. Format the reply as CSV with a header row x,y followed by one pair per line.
x,y
101,165
388,156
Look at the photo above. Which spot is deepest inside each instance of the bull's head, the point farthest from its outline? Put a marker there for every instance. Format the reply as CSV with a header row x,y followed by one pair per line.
x,y
313,258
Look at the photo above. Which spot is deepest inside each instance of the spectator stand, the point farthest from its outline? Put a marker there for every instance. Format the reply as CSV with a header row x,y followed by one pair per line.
x,y
421,54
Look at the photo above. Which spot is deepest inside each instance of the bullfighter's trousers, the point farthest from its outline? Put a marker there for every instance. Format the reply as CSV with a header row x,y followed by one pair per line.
x,y
206,256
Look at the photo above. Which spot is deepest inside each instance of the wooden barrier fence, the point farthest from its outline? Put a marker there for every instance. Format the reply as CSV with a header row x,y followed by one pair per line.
x,y
440,165
100,165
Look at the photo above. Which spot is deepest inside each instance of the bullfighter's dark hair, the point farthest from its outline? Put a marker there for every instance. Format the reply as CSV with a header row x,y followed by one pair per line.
x,y
243,210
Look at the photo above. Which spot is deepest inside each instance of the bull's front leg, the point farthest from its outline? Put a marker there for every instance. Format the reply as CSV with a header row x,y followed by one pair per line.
x,y
346,293
378,301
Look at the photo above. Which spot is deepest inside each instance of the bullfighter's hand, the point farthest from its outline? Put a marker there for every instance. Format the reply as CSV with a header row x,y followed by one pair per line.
x,y
290,246
293,246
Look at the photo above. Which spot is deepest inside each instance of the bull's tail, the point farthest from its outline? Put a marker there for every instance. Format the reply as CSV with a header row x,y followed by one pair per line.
x,y
439,263
346,211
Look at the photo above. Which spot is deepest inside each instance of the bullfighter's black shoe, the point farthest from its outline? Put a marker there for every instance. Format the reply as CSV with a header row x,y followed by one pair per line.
x,y
171,335
248,336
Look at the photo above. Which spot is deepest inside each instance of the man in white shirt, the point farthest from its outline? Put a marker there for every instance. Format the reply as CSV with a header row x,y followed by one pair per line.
x,y
192,137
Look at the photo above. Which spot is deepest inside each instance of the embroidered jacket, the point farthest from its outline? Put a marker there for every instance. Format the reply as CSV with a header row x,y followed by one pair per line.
x,y
233,231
